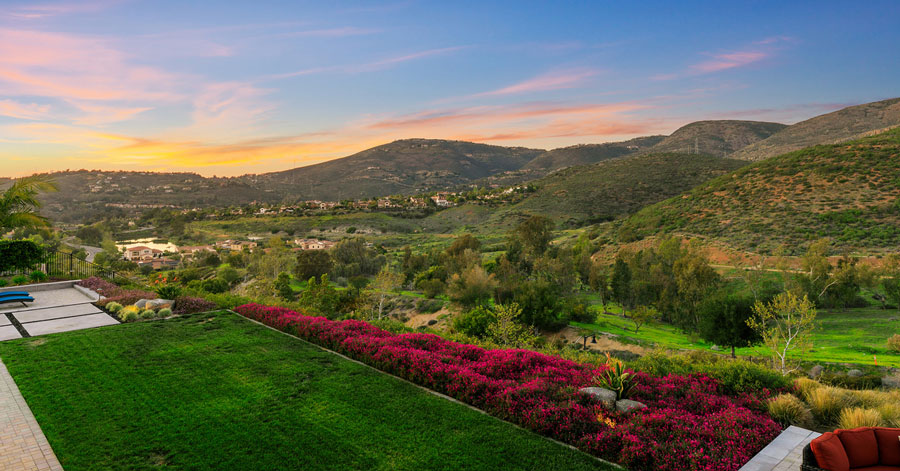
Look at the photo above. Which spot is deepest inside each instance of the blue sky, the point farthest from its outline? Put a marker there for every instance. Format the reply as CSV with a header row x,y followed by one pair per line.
x,y
234,87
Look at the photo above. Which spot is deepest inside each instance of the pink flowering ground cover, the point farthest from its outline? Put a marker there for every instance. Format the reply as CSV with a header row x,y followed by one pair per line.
x,y
688,424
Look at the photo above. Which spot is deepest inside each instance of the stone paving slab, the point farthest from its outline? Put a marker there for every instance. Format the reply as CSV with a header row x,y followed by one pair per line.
x,y
784,453
8,332
23,446
50,298
55,313
4,320
69,323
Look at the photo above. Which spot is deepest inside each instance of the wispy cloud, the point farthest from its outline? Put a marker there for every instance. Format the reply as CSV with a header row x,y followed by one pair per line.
x,y
44,10
341,32
556,80
756,52
366,67
18,110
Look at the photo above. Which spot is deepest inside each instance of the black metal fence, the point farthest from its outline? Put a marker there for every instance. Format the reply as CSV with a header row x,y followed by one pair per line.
x,y
65,265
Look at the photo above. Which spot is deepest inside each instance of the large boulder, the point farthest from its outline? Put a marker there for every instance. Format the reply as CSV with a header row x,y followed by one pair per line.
x,y
605,396
854,373
154,303
627,405
816,371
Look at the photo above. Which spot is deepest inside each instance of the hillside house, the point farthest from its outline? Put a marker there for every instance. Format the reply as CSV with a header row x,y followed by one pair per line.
x,y
142,253
313,244
192,250
236,245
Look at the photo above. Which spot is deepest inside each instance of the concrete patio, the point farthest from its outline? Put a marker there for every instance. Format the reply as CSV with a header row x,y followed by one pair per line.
x,y
57,307
785,453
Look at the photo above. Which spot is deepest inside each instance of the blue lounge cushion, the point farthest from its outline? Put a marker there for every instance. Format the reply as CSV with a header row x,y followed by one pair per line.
x,y
14,293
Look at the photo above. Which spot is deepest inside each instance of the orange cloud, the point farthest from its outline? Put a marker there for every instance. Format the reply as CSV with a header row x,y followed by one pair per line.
x,y
729,61
23,111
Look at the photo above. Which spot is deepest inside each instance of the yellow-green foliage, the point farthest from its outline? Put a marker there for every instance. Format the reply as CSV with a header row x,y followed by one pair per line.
x,y
113,307
148,314
894,343
805,385
790,410
890,413
826,403
164,312
129,313
859,417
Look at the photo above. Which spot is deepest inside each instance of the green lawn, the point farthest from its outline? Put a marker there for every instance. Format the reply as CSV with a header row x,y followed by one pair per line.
x,y
842,336
215,391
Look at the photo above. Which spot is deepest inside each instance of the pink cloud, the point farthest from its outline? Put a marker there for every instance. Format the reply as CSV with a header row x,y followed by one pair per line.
x,y
29,111
729,61
550,81
368,67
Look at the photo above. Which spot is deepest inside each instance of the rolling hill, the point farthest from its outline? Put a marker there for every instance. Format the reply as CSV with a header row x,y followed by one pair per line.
x,y
592,193
405,166
848,192
832,128
585,154
718,138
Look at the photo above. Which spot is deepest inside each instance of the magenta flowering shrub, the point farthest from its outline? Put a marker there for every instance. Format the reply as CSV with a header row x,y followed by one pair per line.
x,y
688,424
190,305
115,293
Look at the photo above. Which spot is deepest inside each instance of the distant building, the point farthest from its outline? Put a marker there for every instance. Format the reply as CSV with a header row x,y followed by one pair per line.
x,y
195,249
313,244
237,245
142,253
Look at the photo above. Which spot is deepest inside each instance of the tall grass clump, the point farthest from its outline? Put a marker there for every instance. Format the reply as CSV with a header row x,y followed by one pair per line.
x,y
858,417
803,386
826,403
788,409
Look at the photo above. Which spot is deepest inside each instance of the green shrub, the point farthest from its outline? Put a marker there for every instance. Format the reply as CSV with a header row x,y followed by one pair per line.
x,y
214,285
19,279
3,282
893,343
37,276
787,409
474,322
19,254
164,312
129,313
113,307
429,306
736,376
168,291
868,381
148,314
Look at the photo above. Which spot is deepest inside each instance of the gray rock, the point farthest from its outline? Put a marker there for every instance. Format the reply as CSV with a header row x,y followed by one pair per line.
x,y
432,322
816,371
716,348
854,373
605,396
891,382
154,303
892,319
627,405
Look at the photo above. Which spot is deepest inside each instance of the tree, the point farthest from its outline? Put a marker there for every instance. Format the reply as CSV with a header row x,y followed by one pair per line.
x,y
474,322
355,257
313,263
534,234
228,274
540,301
358,283
816,278
723,321
283,286
321,297
784,324
641,315
506,330
890,280
598,279
386,282
472,287
620,282
19,204
694,279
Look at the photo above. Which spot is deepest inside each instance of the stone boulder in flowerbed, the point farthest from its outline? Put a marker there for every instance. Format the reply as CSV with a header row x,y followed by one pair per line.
x,y
689,423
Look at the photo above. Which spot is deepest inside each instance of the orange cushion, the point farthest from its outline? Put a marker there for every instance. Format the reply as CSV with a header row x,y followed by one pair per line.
x,y
829,452
888,445
860,446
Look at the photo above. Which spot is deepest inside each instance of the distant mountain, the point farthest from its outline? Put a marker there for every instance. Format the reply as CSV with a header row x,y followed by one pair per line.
x,y
717,138
405,166
87,195
609,189
585,154
848,192
832,128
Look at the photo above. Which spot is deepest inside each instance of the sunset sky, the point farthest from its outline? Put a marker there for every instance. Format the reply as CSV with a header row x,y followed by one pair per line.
x,y
229,88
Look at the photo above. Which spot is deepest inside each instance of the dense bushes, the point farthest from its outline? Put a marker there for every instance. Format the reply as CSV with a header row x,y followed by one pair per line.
x,y
190,305
736,376
19,255
685,413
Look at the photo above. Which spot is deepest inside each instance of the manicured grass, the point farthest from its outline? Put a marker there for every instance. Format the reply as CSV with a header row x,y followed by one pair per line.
x,y
842,336
216,391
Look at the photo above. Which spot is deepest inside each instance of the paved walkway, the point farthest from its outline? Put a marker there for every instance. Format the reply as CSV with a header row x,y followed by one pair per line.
x,y
785,453
60,309
23,445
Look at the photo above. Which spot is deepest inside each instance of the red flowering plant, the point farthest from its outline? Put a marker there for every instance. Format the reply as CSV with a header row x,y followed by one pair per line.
x,y
165,285
689,423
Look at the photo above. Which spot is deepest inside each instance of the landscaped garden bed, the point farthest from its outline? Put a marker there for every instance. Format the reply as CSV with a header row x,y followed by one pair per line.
x,y
690,423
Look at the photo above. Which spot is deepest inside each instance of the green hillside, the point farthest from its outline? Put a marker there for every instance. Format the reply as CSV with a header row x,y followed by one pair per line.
x,y
843,125
719,138
848,192
586,154
604,191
